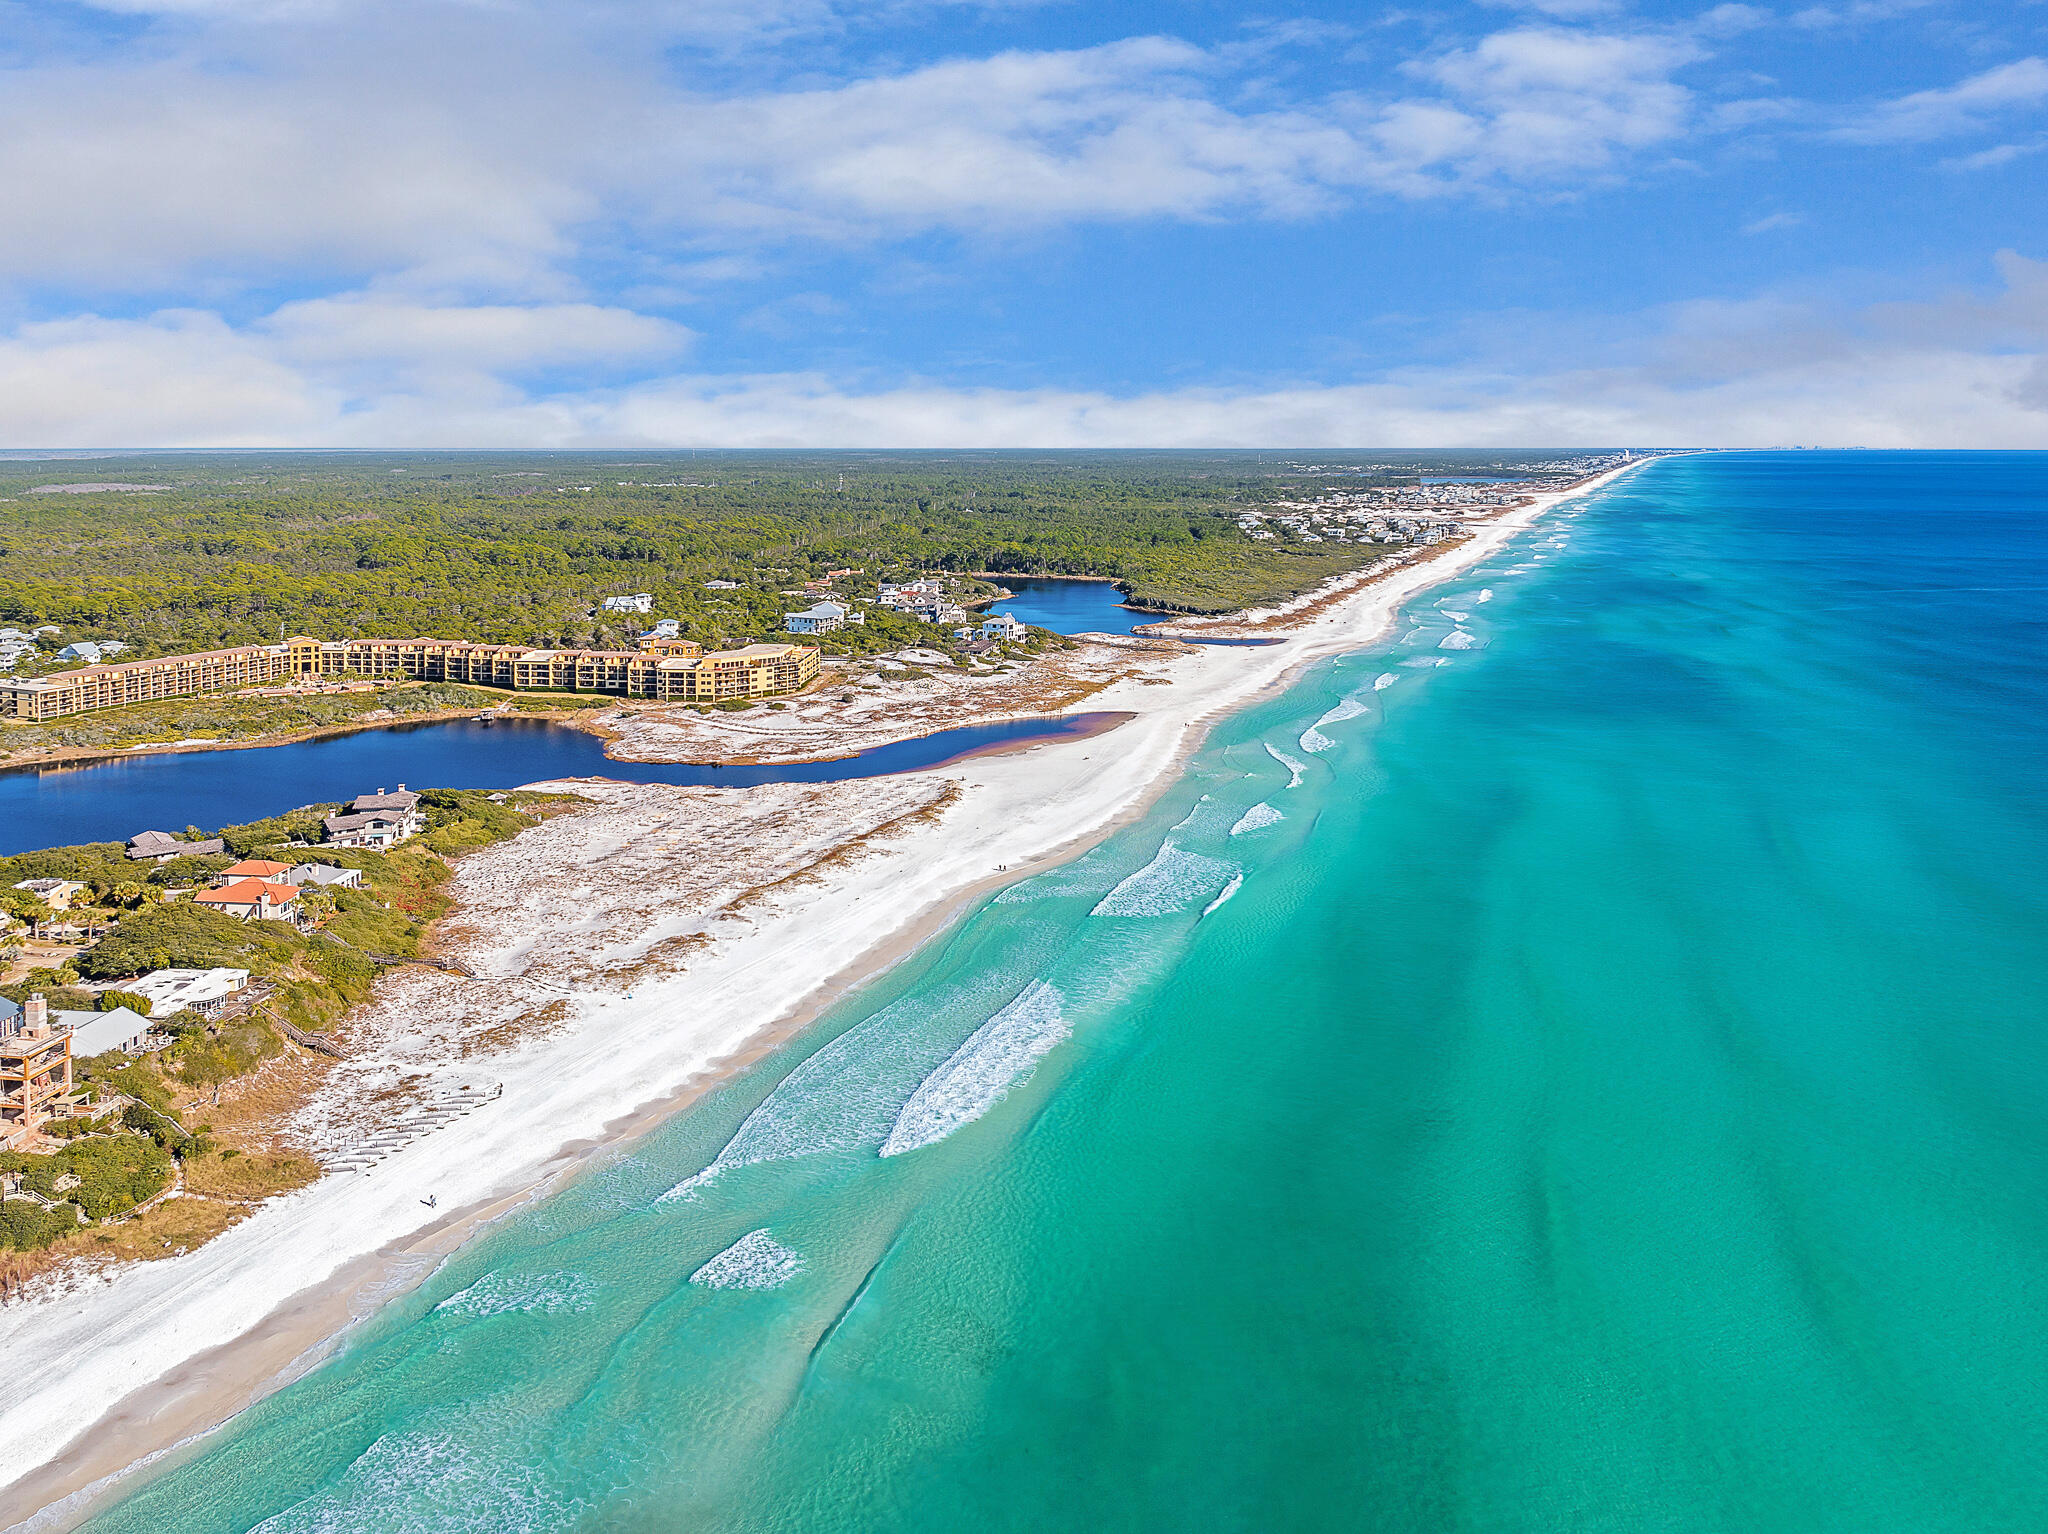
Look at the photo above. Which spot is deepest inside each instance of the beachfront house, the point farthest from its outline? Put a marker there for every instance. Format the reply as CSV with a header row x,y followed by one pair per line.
x,y
638,602
253,900
324,875
204,991
35,1070
57,894
1001,626
99,1033
161,847
665,628
822,618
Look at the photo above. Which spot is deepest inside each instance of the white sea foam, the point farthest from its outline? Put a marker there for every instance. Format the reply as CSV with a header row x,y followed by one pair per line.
x,y
443,1481
497,1294
1297,768
847,1093
1385,680
1428,660
755,1261
1460,639
1236,883
1174,880
1257,818
1455,617
1314,741
1090,873
977,1075
1486,595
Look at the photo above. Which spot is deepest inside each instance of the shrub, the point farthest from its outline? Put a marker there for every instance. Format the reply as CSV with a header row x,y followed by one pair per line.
x,y
114,1001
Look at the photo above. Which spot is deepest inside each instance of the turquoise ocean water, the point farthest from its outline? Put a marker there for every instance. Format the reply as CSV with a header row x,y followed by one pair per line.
x,y
1581,1066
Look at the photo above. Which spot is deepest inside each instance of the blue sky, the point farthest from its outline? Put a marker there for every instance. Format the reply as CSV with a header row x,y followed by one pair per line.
x,y
473,223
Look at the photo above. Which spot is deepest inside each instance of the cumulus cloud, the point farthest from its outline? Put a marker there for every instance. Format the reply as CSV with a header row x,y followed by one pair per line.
x,y
488,158
1958,370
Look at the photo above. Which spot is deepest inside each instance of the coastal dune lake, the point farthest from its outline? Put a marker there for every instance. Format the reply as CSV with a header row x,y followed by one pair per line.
x,y
1578,1066
110,800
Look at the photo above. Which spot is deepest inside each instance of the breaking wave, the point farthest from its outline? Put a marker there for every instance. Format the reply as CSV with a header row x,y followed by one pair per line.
x,y
544,1294
1236,883
845,1095
755,1261
977,1075
1174,880
1257,818
1485,595
1385,680
1297,768
1460,639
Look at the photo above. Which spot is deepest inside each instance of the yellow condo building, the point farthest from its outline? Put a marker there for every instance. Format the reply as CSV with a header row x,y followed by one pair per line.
x,y
674,670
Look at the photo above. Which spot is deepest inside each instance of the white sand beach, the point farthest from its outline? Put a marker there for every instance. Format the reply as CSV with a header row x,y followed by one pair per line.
x,y
668,988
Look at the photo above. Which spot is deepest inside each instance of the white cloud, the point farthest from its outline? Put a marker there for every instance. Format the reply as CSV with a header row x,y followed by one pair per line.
x,y
1954,109
1961,370
1772,221
487,158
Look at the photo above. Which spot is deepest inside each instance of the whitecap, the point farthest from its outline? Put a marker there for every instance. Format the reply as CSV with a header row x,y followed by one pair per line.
x,y
755,1261
1174,880
1297,768
1385,680
497,1294
1236,883
977,1075
1455,617
844,1095
1257,818
1315,741
1460,639
1485,595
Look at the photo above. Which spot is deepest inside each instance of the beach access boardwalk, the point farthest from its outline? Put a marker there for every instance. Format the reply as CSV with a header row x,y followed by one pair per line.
x,y
445,1107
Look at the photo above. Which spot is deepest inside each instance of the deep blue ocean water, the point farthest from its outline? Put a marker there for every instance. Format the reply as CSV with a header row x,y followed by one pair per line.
x,y
1579,1066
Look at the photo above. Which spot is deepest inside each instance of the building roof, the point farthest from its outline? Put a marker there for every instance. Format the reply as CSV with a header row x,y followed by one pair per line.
x,y
248,892
44,886
368,818
254,868
401,800
320,873
94,1033
821,610
161,844
170,989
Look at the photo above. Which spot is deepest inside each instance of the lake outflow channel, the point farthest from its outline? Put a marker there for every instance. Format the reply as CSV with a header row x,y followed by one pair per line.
x,y
63,804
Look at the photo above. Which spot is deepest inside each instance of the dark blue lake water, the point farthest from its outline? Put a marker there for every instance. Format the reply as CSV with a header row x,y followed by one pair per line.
x,y
1069,606
112,800
1081,607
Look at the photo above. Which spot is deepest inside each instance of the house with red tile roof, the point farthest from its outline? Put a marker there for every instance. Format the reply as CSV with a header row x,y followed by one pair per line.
x,y
253,900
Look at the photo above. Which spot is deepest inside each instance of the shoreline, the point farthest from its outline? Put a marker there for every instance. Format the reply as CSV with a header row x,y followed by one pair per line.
x,y
782,974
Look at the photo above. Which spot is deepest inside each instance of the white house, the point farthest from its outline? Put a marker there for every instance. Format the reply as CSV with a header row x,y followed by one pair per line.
x,y
204,991
820,619
906,594
95,1033
665,628
638,602
1001,626
91,651
721,585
